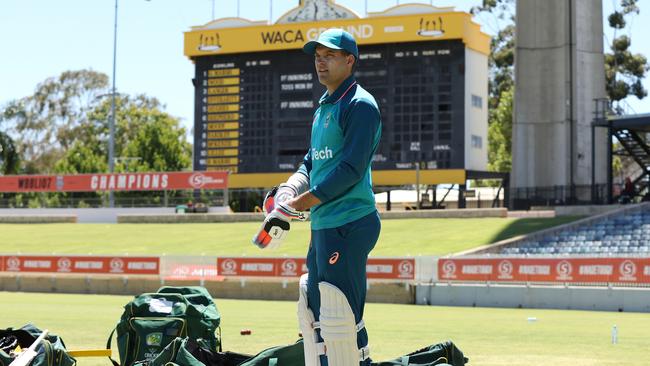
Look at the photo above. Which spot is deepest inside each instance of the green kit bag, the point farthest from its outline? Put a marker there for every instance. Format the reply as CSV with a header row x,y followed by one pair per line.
x,y
188,352
288,355
153,320
445,353
51,352
440,354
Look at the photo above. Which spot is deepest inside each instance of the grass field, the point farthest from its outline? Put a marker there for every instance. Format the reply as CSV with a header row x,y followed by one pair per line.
x,y
487,336
398,237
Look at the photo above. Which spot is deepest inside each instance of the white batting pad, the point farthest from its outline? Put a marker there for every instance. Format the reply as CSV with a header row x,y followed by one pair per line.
x,y
337,327
307,323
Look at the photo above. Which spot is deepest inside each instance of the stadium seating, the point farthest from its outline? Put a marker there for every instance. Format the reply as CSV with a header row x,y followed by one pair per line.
x,y
625,233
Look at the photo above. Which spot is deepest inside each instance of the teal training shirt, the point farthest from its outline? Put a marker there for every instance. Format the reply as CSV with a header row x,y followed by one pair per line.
x,y
344,136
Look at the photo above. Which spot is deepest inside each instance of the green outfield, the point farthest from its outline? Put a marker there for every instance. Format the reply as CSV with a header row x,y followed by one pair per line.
x,y
487,336
398,237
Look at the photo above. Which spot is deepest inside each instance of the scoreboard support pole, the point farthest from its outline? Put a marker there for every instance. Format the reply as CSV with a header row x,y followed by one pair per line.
x,y
462,203
387,200
417,186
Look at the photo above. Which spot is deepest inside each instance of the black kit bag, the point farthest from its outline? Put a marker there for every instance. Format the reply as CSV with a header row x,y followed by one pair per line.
x,y
190,352
445,353
51,351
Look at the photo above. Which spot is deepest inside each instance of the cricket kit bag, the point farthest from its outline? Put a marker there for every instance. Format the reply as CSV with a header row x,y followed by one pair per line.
x,y
50,352
188,352
287,355
153,320
445,353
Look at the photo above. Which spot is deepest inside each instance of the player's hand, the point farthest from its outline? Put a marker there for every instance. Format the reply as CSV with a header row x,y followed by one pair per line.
x,y
276,226
281,193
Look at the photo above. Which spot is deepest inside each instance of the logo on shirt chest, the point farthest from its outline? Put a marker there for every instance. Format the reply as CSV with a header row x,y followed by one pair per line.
x,y
322,154
327,120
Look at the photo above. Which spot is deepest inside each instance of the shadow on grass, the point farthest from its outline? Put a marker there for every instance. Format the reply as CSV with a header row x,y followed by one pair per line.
x,y
530,225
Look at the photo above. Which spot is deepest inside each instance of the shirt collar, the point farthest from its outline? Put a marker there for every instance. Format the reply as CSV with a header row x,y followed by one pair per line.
x,y
339,92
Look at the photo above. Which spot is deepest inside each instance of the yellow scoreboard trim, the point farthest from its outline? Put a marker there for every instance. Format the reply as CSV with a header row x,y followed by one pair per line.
x,y
223,152
379,178
223,161
223,108
223,72
206,41
217,90
223,117
223,99
219,126
223,134
223,81
220,168
214,144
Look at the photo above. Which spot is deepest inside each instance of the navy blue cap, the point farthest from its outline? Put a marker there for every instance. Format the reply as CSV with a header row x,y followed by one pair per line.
x,y
333,38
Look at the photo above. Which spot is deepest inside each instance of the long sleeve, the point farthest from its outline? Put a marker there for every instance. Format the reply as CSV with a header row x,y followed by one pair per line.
x,y
360,124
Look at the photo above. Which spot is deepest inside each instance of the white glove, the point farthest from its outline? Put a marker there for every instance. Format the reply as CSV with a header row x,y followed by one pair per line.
x,y
276,226
281,193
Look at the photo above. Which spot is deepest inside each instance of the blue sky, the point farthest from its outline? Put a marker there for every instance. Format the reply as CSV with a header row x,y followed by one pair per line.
x,y
42,38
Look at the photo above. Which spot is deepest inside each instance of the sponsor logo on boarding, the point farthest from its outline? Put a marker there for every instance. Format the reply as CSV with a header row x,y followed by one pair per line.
x,y
198,180
448,269
322,154
505,269
228,267
63,264
289,268
13,264
405,269
59,182
116,265
564,270
129,181
628,271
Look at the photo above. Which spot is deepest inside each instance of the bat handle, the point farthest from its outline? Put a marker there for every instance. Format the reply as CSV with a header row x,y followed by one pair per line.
x,y
27,356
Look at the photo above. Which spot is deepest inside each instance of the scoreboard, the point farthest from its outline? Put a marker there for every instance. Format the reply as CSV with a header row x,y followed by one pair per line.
x,y
254,109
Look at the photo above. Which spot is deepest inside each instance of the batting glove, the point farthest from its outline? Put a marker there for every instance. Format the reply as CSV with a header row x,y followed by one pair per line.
x,y
281,193
276,226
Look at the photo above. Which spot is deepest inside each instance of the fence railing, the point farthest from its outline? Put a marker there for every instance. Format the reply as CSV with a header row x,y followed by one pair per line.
x,y
526,197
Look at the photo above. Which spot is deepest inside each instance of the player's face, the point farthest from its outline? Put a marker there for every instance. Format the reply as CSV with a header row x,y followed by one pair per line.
x,y
332,66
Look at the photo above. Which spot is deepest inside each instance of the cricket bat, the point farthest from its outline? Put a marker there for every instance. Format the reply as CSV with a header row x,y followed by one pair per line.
x,y
27,356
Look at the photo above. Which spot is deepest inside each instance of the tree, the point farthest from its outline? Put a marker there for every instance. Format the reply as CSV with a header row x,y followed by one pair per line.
x,y
64,128
8,155
624,71
501,82
500,134
47,123
146,137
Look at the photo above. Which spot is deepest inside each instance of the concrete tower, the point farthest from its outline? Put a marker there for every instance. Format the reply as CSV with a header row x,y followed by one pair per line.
x,y
559,71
